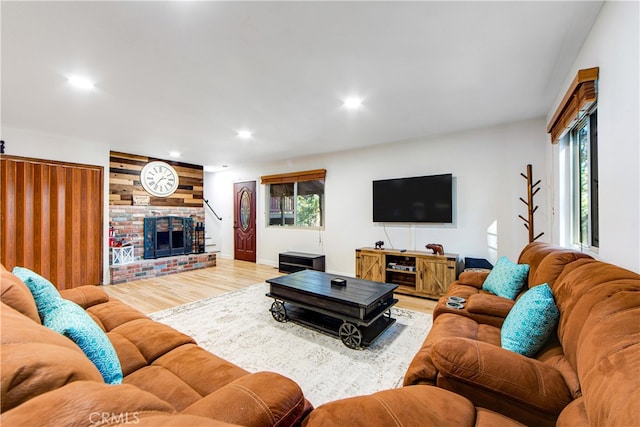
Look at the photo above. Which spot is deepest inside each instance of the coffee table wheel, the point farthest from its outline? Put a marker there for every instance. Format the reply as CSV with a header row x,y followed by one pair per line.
x,y
350,335
278,311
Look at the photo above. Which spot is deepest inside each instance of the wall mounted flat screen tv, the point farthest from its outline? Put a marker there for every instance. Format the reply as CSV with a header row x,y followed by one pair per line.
x,y
415,199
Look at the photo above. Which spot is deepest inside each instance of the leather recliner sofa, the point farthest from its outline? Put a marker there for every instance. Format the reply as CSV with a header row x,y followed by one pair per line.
x,y
168,379
487,308
587,374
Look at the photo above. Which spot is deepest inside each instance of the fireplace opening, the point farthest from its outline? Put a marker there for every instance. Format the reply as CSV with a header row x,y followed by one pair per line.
x,y
163,242
167,236
177,233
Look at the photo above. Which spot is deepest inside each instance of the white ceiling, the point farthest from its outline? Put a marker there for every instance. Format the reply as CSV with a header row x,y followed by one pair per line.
x,y
187,76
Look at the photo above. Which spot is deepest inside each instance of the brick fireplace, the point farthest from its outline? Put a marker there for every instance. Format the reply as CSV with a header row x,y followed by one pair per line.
x,y
128,229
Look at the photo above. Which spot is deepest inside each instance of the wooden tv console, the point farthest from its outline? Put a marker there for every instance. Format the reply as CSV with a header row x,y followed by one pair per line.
x,y
416,273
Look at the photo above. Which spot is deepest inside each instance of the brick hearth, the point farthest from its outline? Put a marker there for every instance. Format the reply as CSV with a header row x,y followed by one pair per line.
x,y
147,268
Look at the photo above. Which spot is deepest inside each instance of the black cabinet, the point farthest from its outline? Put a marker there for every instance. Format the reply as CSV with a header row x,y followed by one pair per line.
x,y
290,262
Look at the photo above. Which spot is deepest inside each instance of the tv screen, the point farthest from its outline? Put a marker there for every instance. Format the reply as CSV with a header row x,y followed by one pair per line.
x,y
416,199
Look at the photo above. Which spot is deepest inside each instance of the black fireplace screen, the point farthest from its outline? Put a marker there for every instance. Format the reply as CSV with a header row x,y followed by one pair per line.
x,y
167,236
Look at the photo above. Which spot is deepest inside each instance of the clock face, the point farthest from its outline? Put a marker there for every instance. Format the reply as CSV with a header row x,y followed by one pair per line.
x,y
160,179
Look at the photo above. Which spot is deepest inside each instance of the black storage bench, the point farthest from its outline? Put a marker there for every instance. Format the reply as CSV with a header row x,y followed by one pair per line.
x,y
290,262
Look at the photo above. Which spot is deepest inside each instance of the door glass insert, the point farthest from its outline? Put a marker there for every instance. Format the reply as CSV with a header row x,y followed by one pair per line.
x,y
245,210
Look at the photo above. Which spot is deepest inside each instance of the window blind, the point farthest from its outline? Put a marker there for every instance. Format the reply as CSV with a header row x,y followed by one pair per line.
x,y
582,94
282,178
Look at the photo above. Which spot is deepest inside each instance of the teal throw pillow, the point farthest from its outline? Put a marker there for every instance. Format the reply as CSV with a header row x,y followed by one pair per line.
x,y
531,321
70,320
506,279
44,293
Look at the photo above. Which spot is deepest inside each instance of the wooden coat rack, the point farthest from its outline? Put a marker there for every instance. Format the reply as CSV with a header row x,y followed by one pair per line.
x,y
532,190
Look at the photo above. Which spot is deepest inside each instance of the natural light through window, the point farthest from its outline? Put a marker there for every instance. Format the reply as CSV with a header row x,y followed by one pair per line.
x,y
584,154
295,199
296,204
492,241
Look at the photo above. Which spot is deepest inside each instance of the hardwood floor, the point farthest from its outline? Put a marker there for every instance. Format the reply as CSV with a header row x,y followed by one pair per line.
x,y
149,295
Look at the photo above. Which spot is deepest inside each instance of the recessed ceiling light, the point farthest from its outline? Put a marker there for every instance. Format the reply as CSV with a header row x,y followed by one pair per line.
x,y
174,153
244,134
352,103
81,82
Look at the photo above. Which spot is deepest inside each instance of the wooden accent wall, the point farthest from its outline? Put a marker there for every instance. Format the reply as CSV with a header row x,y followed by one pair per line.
x,y
124,181
51,219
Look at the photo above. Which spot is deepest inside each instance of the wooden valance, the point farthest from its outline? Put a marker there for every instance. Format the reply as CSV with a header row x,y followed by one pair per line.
x,y
582,94
282,178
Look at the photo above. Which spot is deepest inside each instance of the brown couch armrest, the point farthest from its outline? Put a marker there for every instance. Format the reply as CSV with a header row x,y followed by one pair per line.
x,y
417,405
260,399
509,375
489,304
93,403
473,278
85,296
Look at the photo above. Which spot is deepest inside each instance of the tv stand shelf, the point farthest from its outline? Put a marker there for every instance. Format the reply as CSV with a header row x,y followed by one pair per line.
x,y
393,270
416,273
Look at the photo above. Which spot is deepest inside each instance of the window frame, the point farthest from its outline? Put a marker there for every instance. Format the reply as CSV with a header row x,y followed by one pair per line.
x,y
295,178
577,105
590,241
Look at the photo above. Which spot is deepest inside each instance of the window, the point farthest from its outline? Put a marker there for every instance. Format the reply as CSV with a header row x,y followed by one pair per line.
x,y
295,199
584,181
575,126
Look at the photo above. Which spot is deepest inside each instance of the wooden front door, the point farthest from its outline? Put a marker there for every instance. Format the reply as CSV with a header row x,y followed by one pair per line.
x,y
244,221
51,219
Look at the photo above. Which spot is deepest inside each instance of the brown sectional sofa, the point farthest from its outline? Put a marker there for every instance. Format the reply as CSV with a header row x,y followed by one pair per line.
x,y
484,312
168,379
586,374
487,308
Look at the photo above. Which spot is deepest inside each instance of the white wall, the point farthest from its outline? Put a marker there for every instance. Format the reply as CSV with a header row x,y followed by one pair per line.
x,y
29,143
486,165
613,45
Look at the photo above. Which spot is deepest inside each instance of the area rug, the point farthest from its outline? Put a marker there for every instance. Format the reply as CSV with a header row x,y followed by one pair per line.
x,y
238,327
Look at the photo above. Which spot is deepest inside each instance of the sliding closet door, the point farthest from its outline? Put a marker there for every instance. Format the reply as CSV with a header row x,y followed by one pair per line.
x,y
51,219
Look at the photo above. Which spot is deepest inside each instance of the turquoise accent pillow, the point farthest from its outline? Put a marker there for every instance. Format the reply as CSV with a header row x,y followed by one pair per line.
x,y
531,321
506,279
44,293
70,320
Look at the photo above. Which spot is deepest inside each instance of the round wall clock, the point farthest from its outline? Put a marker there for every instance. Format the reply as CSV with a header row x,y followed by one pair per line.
x,y
160,179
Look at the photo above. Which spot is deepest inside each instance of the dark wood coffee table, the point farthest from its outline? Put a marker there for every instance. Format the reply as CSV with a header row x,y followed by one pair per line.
x,y
357,313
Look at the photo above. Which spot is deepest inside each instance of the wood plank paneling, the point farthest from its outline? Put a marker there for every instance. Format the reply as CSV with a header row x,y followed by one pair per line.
x,y
124,181
51,219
